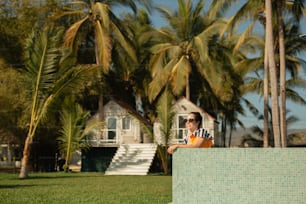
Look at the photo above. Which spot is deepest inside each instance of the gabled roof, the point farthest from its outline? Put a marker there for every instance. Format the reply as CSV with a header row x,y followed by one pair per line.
x,y
130,110
182,99
134,113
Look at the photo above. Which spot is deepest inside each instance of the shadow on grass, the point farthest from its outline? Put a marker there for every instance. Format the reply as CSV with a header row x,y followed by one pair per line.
x,y
13,186
58,175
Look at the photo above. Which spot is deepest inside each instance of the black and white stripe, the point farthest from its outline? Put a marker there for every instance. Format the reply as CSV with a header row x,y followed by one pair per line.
x,y
202,133
199,133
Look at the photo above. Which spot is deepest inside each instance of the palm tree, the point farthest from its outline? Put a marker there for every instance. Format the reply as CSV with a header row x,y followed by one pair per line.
x,y
127,79
230,87
266,99
193,54
49,73
247,11
185,47
165,116
74,129
257,137
12,104
282,80
97,17
297,7
294,8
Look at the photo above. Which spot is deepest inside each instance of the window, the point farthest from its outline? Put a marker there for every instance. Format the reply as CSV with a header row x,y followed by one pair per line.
x,y
126,123
111,128
181,128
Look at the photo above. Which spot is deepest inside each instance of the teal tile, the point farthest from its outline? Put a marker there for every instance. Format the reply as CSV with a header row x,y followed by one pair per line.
x,y
239,175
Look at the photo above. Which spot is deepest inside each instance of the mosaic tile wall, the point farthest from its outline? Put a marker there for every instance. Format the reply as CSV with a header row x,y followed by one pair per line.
x,y
239,175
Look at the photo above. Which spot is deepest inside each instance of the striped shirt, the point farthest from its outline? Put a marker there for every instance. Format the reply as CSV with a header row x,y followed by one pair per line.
x,y
208,139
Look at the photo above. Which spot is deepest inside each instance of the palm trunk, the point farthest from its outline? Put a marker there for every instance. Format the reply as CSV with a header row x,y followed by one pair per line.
x,y
266,99
282,55
100,102
66,166
24,171
273,78
187,88
9,153
230,137
163,155
223,133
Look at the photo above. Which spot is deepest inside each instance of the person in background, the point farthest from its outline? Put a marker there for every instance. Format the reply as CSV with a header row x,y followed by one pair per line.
x,y
196,137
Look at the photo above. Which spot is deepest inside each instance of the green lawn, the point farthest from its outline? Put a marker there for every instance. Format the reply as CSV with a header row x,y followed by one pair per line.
x,y
73,188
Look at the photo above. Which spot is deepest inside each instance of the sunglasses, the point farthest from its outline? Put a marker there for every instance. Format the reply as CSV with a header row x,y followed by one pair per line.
x,y
190,120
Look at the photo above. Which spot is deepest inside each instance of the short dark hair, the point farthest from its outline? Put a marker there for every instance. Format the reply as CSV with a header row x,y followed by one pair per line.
x,y
197,117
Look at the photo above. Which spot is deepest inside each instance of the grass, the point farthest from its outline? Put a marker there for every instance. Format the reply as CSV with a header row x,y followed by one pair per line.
x,y
77,187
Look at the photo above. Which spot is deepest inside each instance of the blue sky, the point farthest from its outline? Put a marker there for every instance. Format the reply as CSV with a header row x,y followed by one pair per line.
x,y
249,120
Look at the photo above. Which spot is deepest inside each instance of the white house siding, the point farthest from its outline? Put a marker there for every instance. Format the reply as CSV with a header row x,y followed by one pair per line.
x,y
127,136
134,135
123,136
182,108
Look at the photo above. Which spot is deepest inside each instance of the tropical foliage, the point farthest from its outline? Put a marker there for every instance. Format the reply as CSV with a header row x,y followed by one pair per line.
x,y
256,139
165,116
201,53
49,72
74,129
12,100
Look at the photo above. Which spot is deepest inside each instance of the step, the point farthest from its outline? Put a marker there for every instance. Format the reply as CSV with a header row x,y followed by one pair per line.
x,y
133,159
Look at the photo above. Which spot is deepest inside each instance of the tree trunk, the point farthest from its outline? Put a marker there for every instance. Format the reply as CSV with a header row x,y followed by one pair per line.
x,y
223,133
266,99
163,155
230,137
9,153
101,104
24,171
273,78
187,88
283,125
67,161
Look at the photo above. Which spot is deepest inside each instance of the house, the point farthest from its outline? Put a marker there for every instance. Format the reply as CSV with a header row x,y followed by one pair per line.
x,y
122,126
9,151
123,147
123,135
182,108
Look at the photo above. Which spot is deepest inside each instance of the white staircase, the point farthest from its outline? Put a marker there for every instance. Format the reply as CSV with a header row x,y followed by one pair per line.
x,y
132,159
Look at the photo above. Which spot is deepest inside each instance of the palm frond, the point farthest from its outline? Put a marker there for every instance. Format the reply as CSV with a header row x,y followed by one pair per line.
x,y
162,47
72,32
160,80
57,16
179,74
103,46
218,8
67,83
73,119
251,107
42,57
124,42
244,36
165,114
295,97
249,11
101,12
165,13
